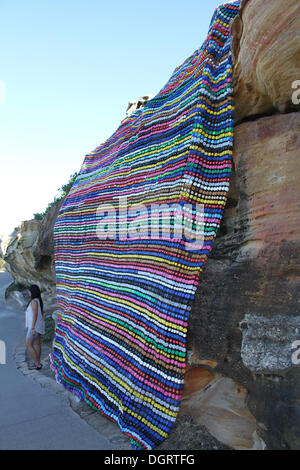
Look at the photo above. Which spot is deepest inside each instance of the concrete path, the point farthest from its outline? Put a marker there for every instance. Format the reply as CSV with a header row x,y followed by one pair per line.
x,y
31,416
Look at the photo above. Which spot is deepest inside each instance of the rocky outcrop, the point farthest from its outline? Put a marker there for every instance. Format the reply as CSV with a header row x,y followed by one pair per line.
x,y
266,55
44,248
246,315
219,404
29,257
243,381
139,103
19,252
2,262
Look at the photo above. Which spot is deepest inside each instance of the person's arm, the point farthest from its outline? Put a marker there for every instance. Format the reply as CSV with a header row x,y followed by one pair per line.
x,y
35,315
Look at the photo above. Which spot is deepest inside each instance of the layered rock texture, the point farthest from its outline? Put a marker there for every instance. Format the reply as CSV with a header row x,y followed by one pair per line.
x,y
246,325
29,258
242,382
245,387
266,55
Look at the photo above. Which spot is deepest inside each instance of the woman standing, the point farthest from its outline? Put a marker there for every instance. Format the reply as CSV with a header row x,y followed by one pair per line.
x,y
35,325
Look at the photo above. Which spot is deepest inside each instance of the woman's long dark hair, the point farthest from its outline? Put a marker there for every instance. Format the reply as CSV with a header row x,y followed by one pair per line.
x,y
36,294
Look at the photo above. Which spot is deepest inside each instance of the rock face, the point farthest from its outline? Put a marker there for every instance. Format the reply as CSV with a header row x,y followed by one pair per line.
x,y
220,405
139,103
19,252
266,55
246,316
44,248
243,381
29,256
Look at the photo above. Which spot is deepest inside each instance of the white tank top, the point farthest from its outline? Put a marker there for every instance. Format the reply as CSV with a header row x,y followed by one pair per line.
x,y
40,322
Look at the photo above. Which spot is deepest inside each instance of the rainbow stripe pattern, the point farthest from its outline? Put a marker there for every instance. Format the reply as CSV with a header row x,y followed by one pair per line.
x,y
124,286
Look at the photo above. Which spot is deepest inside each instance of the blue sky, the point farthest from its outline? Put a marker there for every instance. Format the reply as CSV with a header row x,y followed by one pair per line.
x,y
69,69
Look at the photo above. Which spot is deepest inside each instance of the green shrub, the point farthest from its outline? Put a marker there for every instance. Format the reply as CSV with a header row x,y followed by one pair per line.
x,y
63,192
49,329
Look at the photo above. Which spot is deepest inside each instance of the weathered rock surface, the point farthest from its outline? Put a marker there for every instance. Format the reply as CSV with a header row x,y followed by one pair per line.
x,y
29,257
19,252
219,404
266,55
44,248
267,342
245,320
139,103
246,314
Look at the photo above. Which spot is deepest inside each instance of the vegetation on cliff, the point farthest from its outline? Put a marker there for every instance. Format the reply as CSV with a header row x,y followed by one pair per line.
x,y
63,191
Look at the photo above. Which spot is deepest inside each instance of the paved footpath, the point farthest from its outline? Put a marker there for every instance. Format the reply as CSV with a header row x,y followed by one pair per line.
x,y
35,417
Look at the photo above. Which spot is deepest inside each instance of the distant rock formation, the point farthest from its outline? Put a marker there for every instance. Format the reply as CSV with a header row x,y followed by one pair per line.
x,y
2,262
139,103
29,257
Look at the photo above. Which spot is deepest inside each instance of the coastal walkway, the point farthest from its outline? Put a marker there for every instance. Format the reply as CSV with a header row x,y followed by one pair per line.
x,y
35,417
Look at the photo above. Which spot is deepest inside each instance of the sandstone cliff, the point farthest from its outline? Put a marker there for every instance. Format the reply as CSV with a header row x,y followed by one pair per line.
x,y
29,258
241,382
266,55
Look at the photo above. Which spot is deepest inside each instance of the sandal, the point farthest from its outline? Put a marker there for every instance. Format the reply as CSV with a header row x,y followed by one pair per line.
x,y
35,367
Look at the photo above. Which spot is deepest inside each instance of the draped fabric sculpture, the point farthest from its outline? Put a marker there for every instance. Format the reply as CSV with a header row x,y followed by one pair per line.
x,y
132,238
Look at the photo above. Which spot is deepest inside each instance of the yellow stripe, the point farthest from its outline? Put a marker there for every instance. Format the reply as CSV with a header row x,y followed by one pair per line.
x,y
123,328
115,378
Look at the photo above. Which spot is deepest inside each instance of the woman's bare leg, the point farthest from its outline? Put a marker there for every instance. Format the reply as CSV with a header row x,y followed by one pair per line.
x,y
32,351
37,346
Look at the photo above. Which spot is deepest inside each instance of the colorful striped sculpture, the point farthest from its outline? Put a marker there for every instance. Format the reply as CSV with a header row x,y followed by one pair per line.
x,y
132,238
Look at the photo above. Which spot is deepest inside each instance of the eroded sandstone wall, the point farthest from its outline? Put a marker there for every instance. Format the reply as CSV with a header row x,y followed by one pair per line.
x,y
246,314
242,383
29,257
266,55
